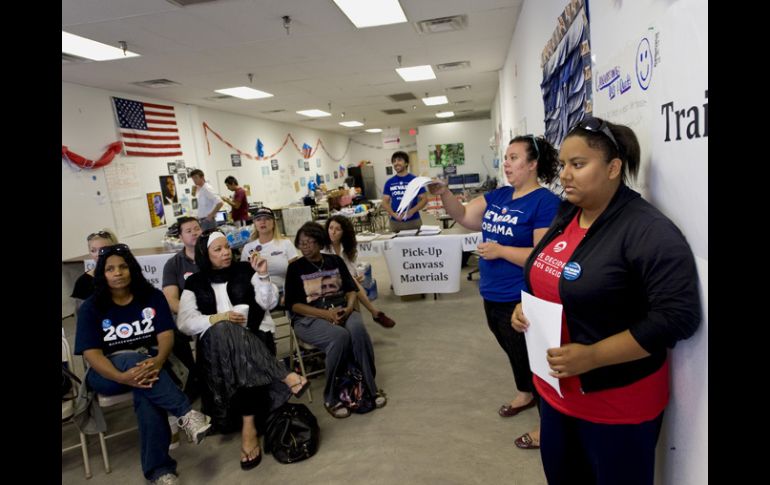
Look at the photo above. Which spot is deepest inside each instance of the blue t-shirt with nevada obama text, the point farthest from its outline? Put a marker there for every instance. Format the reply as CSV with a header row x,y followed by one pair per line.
x,y
123,327
395,188
511,222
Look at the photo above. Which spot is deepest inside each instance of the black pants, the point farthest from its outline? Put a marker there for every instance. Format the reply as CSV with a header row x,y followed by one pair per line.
x,y
574,450
253,401
512,342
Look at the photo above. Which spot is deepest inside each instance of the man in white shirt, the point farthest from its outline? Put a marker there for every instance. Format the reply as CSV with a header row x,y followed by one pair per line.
x,y
208,200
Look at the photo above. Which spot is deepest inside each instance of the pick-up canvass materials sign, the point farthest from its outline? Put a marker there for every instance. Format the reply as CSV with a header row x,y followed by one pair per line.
x,y
429,264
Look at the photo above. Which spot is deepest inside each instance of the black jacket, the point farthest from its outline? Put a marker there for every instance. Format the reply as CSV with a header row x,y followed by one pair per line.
x,y
638,273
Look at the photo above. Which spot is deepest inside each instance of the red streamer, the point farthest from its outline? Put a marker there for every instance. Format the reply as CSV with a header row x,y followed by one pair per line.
x,y
82,162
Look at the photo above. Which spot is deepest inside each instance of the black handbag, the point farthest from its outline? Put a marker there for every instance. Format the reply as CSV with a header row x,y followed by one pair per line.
x,y
292,433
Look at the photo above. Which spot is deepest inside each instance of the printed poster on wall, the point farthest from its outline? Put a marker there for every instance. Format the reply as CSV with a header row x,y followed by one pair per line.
x,y
155,208
446,154
235,159
391,138
274,164
168,189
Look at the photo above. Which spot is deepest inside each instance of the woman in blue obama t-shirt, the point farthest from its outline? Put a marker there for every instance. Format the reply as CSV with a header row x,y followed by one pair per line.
x,y
512,220
125,331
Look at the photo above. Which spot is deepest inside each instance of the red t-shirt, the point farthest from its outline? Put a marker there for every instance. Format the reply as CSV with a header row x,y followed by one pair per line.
x,y
635,403
242,212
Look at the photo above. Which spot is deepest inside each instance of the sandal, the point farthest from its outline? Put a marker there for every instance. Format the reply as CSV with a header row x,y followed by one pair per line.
x,y
338,411
302,389
384,320
525,442
381,399
251,463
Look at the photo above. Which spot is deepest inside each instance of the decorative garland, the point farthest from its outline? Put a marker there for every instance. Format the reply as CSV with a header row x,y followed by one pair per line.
x,y
319,143
82,162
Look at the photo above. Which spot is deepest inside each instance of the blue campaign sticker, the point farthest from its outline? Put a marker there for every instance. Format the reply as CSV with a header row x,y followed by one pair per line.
x,y
572,271
106,323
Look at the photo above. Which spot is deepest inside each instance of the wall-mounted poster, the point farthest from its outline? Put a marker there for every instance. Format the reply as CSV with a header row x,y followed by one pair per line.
x,y
307,166
265,171
389,170
195,203
235,159
168,189
177,209
155,207
318,163
172,168
182,176
274,164
446,154
180,167
336,174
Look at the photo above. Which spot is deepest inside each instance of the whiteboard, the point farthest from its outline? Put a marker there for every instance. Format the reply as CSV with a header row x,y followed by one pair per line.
x,y
294,217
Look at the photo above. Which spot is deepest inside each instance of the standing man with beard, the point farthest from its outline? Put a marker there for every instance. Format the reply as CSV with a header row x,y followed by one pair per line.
x,y
394,192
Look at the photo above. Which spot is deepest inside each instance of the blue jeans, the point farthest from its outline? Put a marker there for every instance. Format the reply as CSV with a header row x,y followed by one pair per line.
x,y
152,407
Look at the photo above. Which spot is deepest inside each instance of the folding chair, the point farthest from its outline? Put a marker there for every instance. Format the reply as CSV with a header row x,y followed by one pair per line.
x,y
297,350
68,407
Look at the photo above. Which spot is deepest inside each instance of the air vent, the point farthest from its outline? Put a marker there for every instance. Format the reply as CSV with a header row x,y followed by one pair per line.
x,y
443,24
453,66
463,101
218,97
401,97
157,83
272,111
464,87
398,111
70,59
463,111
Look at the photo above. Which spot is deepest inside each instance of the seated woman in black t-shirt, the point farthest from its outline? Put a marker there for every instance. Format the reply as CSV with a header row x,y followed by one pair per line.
x,y
321,294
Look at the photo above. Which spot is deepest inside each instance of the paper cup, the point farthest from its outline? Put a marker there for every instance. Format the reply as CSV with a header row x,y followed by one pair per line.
x,y
243,310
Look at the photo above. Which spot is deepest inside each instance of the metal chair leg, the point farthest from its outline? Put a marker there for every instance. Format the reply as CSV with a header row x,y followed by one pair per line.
x,y
295,350
105,456
84,450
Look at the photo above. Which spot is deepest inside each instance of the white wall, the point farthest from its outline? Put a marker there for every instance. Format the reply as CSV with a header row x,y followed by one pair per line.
x,y
674,176
88,126
473,134
369,147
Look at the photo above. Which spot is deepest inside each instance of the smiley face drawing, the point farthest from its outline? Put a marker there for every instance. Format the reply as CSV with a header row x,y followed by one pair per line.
x,y
644,64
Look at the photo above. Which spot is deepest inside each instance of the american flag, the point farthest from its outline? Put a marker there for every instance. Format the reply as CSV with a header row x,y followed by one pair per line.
x,y
148,129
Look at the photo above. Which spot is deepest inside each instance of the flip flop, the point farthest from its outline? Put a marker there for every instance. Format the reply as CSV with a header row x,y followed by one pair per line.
x,y
249,464
302,389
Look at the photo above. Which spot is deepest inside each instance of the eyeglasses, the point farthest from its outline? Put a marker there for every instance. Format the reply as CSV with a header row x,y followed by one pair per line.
x,y
101,234
598,125
114,249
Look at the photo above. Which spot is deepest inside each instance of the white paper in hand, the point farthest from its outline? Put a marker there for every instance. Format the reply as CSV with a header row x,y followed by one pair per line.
x,y
411,192
544,333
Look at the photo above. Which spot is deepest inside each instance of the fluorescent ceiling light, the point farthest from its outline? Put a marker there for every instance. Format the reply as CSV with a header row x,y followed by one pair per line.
x,y
435,100
445,114
313,113
90,49
416,73
372,12
351,124
374,130
244,92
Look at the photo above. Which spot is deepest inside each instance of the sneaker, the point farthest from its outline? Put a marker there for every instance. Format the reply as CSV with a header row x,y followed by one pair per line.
x,y
174,433
196,424
384,320
167,479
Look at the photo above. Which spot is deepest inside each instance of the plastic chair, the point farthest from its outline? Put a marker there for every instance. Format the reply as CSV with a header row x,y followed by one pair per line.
x,y
68,408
